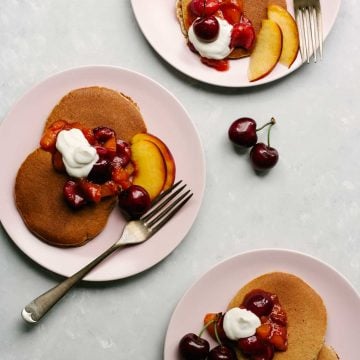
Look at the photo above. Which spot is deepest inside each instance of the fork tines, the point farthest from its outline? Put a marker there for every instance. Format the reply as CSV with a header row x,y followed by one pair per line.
x,y
165,206
309,20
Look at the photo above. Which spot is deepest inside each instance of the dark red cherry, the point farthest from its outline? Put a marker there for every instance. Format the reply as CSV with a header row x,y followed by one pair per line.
x,y
259,302
122,147
134,201
266,354
102,151
100,172
73,194
103,133
263,157
204,7
119,161
242,132
243,34
206,29
123,153
251,345
221,352
193,347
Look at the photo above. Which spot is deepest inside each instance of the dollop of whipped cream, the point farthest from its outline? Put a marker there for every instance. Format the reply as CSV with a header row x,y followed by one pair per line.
x,y
217,49
77,154
240,323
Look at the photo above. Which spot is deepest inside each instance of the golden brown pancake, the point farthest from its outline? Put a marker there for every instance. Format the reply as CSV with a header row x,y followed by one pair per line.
x,y
40,200
99,106
305,311
327,353
255,10
38,187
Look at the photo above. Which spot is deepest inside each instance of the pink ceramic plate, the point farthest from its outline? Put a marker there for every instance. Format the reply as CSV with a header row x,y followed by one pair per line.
x,y
157,21
214,290
164,116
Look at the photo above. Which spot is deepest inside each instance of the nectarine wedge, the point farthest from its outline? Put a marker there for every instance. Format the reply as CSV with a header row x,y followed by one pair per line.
x,y
290,34
168,158
267,50
150,170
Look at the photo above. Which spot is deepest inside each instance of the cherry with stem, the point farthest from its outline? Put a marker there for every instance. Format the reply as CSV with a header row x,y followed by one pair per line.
x,y
262,156
243,132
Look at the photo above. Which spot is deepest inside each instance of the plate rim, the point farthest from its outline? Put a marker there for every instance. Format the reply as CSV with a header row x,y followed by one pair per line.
x,y
98,67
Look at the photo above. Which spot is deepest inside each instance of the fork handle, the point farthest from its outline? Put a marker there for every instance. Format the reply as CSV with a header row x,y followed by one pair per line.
x,y
37,308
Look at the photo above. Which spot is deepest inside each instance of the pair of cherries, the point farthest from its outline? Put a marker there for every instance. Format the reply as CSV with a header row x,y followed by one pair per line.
x,y
195,347
243,133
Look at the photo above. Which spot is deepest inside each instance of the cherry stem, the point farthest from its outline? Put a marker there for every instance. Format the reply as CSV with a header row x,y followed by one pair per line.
x,y
206,326
214,321
203,14
216,334
271,122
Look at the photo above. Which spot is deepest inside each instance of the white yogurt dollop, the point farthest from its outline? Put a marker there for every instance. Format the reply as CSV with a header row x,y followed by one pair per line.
x,y
240,323
217,49
77,154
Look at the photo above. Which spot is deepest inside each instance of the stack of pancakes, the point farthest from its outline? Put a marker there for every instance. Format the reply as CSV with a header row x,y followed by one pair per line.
x,y
306,314
254,10
39,188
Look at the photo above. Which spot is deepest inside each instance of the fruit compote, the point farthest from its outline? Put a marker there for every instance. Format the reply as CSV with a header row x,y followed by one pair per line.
x,y
110,175
269,337
230,10
216,28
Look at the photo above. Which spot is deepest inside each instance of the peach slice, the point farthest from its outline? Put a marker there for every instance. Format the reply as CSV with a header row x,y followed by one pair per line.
x,y
150,170
267,50
168,158
290,34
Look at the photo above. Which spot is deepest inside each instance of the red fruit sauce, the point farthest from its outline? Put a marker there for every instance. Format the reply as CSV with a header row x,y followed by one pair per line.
x,y
270,336
220,65
230,10
273,328
111,174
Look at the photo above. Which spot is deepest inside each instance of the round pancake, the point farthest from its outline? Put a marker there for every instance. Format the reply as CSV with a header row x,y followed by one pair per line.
x,y
40,201
255,10
98,106
327,353
38,187
305,311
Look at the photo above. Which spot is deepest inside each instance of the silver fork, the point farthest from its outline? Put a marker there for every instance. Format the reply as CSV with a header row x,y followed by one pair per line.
x,y
309,19
135,232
